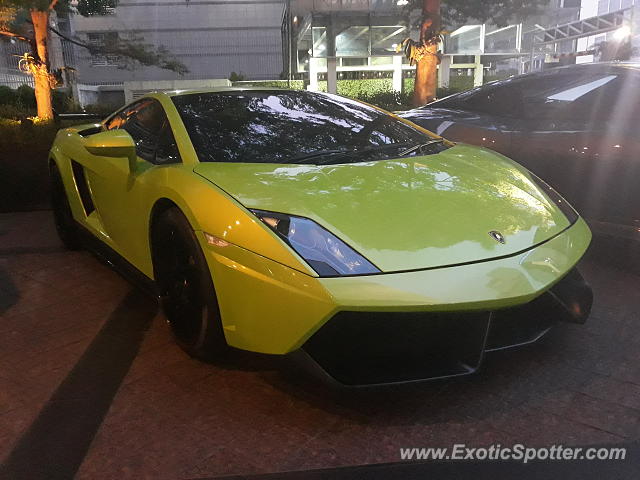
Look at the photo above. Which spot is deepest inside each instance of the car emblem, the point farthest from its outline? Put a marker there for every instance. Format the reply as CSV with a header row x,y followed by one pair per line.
x,y
497,236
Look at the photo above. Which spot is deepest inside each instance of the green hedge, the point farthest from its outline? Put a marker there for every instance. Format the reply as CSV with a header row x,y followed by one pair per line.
x,y
366,88
21,102
377,91
295,84
24,149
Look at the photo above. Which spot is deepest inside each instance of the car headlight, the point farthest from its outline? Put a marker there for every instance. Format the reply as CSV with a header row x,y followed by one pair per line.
x,y
556,198
324,252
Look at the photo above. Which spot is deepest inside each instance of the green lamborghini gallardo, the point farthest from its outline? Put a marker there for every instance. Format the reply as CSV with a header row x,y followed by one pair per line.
x,y
310,225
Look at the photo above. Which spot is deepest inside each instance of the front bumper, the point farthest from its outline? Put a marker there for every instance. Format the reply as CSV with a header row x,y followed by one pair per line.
x,y
373,348
270,308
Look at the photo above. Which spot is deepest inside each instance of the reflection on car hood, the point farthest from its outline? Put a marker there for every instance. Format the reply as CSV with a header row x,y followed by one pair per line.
x,y
406,214
437,114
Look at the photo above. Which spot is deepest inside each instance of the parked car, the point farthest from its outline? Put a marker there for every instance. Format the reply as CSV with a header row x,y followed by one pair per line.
x,y
298,223
577,127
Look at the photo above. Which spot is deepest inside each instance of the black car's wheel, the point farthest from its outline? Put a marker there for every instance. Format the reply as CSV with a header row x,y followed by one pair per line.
x,y
65,224
186,290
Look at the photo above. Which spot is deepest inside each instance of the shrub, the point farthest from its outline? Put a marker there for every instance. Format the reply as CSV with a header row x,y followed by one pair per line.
x,y
366,88
26,97
295,84
13,112
376,91
23,99
7,95
236,77
24,150
104,110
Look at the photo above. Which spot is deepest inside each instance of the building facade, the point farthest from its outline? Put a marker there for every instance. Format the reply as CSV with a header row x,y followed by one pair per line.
x,y
212,38
333,39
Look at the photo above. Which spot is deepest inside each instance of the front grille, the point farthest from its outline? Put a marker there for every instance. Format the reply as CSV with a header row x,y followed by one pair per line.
x,y
385,347
367,348
523,324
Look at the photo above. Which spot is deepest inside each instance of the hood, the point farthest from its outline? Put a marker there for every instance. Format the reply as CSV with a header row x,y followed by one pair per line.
x,y
406,214
441,119
437,113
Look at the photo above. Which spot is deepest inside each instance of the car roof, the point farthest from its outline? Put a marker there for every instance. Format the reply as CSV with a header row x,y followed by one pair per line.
x,y
599,66
177,93
584,68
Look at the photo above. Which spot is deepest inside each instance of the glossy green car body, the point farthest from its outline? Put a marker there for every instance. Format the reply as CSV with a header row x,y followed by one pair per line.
x,y
423,221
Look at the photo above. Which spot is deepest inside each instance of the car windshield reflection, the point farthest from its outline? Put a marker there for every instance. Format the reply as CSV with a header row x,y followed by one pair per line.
x,y
290,127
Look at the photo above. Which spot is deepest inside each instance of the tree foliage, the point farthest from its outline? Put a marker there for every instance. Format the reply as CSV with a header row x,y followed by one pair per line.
x,y
498,12
439,15
87,8
14,21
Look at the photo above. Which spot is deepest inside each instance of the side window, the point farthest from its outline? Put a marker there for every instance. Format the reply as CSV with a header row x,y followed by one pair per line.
x,y
567,97
621,115
167,151
503,98
120,118
116,121
144,126
504,101
147,124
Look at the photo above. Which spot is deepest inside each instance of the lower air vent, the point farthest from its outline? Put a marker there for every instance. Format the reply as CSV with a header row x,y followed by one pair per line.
x,y
83,188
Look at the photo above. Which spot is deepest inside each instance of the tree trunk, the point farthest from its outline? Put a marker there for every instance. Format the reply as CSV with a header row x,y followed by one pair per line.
x,y
40,71
427,68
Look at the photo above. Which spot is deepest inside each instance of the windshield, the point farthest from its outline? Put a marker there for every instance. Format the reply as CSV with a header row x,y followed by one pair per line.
x,y
291,127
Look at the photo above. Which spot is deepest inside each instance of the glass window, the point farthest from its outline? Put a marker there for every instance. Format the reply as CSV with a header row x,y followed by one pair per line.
x,y
144,125
555,94
565,96
503,98
319,35
304,49
354,62
353,42
147,124
284,126
385,39
501,40
167,150
465,40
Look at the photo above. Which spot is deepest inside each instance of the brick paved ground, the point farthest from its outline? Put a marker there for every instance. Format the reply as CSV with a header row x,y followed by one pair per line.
x,y
168,416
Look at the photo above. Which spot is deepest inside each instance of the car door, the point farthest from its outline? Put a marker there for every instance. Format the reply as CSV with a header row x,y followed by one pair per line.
x,y
117,189
579,133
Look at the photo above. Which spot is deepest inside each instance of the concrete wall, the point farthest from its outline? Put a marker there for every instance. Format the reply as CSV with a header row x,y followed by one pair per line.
x,y
212,38
133,90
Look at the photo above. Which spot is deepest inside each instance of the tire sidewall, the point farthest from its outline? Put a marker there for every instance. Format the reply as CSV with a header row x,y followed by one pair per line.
x,y
210,343
63,218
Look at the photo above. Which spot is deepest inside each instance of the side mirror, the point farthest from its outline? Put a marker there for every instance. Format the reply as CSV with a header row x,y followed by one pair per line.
x,y
114,144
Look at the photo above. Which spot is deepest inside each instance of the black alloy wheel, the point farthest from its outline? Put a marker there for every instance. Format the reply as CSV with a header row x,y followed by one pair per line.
x,y
65,224
186,289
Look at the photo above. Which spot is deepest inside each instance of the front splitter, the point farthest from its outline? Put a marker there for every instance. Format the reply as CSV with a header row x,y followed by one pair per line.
x,y
360,349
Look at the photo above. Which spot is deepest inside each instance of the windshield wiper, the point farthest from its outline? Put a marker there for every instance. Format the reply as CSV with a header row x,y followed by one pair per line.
x,y
319,153
384,146
358,152
420,146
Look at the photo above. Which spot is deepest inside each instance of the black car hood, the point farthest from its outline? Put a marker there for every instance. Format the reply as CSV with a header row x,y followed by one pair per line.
x,y
438,113
438,119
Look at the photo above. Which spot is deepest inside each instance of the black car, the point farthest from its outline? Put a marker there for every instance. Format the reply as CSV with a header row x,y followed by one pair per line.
x,y
578,127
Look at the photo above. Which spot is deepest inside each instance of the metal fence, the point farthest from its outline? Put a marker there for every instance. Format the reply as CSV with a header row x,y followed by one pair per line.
x,y
10,75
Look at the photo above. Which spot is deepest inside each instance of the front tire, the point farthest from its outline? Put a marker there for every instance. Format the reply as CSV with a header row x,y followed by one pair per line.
x,y
186,289
65,224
